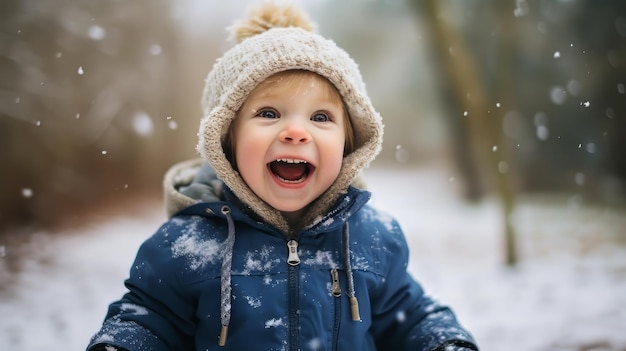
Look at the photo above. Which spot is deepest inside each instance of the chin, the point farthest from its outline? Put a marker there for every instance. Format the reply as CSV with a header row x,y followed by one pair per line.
x,y
289,208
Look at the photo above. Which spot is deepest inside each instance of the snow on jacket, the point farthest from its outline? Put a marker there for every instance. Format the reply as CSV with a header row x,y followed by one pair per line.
x,y
276,293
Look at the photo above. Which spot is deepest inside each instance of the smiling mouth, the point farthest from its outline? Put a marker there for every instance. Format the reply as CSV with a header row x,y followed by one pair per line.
x,y
291,171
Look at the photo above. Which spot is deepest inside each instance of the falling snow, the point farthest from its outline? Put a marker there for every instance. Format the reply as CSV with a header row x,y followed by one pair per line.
x,y
558,95
97,32
171,124
142,124
27,193
156,49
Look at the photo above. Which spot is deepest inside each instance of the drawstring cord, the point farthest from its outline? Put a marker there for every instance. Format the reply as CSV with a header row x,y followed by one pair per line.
x,y
354,303
227,250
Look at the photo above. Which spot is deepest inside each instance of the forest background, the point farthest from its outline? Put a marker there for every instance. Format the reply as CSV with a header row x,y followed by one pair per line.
x,y
98,98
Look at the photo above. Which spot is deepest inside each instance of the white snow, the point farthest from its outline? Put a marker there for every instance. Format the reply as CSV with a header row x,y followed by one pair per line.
x,y
567,293
254,302
261,260
143,124
136,309
321,258
197,251
273,323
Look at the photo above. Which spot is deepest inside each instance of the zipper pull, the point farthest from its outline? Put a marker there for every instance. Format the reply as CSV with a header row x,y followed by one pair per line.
x,y
336,288
293,259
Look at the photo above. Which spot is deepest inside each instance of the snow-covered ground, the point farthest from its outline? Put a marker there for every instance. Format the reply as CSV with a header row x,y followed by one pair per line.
x,y
567,293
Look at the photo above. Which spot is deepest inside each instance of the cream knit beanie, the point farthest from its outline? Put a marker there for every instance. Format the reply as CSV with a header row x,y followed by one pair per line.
x,y
276,37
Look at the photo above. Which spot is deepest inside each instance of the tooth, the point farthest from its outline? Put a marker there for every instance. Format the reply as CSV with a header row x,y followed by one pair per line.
x,y
290,160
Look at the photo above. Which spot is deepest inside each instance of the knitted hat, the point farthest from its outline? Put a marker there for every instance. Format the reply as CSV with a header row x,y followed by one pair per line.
x,y
277,37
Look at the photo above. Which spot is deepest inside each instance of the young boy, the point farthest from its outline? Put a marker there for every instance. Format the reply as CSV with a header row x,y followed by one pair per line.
x,y
269,246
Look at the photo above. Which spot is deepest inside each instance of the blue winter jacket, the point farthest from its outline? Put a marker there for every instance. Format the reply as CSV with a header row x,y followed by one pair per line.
x,y
277,293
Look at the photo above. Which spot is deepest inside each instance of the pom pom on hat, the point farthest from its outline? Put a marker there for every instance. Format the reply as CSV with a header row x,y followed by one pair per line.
x,y
270,14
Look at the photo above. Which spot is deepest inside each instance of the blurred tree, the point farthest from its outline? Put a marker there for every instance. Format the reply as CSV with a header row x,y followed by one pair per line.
x,y
543,84
87,96
463,93
564,123
476,117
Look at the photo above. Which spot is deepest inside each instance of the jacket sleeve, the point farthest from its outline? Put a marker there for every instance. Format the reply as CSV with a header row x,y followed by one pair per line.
x,y
405,318
154,314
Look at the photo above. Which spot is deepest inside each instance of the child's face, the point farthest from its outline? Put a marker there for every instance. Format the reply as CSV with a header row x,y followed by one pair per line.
x,y
289,139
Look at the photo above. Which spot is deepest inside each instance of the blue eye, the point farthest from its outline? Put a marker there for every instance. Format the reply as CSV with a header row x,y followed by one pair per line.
x,y
267,114
320,117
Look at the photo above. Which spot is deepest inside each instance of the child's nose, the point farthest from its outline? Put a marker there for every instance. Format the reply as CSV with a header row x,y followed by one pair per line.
x,y
295,133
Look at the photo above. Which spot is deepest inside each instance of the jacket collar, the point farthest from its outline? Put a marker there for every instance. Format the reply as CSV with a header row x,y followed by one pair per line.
x,y
193,187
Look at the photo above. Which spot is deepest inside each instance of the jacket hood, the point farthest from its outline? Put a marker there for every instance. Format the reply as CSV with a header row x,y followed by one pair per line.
x,y
188,183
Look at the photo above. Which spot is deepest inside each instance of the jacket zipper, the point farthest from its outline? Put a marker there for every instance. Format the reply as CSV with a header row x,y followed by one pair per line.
x,y
293,261
336,292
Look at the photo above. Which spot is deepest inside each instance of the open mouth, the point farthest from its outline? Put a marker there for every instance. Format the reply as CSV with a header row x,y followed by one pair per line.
x,y
291,171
